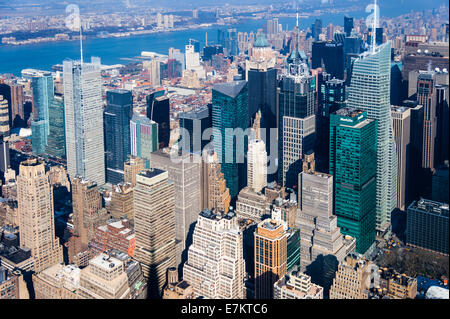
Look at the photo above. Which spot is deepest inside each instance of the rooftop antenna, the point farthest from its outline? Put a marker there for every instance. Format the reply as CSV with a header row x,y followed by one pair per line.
x,y
206,39
374,28
81,41
297,20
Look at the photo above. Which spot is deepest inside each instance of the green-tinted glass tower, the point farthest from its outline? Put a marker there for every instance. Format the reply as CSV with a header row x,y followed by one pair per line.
x,y
230,112
43,91
56,140
353,163
144,137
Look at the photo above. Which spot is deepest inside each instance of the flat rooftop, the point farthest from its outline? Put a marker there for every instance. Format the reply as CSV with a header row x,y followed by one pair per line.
x,y
196,114
151,172
431,207
106,262
349,112
216,215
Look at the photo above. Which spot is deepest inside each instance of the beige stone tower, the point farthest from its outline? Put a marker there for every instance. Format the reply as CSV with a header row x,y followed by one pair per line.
x,y
352,280
215,194
37,222
221,274
87,202
154,225
4,116
87,215
270,241
122,201
132,167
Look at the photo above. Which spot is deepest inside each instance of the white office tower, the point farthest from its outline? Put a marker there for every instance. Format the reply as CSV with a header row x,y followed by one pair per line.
x,y
215,266
185,173
192,57
256,165
192,61
84,120
370,91
154,70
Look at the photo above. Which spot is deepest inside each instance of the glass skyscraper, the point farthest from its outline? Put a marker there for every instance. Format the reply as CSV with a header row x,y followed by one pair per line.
x,y
117,115
195,122
229,112
144,137
330,56
262,86
331,98
296,119
370,91
353,148
43,90
348,25
84,120
158,110
56,140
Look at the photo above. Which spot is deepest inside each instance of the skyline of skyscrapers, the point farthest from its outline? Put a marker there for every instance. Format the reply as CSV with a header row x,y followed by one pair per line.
x,y
280,163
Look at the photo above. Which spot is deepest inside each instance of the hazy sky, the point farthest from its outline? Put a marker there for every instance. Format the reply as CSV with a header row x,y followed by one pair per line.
x,y
390,7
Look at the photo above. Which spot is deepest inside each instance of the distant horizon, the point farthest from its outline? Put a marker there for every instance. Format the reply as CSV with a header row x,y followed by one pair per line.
x,y
390,8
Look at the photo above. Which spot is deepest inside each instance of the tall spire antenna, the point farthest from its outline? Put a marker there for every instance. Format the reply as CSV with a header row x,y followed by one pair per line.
x,y
81,42
297,20
374,27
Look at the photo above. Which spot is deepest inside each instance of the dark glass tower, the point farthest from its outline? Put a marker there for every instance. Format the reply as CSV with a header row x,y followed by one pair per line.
x,y
353,163
262,88
210,50
348,25
196,45
158,110
331,98
195,122
4,156
296,119
442,126
330,55
427,225
316,29
230,112
118,112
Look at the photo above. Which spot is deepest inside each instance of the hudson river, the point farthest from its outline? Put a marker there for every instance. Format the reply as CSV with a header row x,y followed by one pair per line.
x,y
42,56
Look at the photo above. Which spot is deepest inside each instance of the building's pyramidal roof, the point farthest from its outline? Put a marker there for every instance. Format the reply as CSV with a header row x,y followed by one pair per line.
x,y
261,42
231,89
